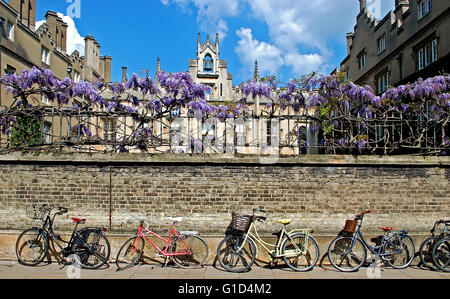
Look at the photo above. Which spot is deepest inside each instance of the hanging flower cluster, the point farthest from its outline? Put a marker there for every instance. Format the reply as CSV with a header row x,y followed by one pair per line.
x,y
344,114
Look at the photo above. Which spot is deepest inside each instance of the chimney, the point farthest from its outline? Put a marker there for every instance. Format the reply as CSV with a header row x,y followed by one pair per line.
x,y
158,66
32,15
349,37
90,52
26,10
362,4
101,70
63,37
58,30
107,68
124,74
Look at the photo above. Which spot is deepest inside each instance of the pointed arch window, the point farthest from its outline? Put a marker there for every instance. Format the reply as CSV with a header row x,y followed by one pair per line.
x,y
208,63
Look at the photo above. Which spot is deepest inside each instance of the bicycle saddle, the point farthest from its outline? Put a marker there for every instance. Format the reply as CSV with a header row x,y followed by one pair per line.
x,y
285,221
78,220
386,229
179,219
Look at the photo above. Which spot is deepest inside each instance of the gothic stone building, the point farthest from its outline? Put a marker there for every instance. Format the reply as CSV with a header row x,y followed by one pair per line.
x,y
24,46
255,134
410,42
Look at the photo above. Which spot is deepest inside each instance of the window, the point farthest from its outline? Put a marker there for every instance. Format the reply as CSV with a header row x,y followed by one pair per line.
x,y
47,133
362,59
427,54
45,56
10,31
208,64
10,69
110,130
381,44
76,77
175,132
209,132
239,134
44,99
383,81
424,7
434,50
271,133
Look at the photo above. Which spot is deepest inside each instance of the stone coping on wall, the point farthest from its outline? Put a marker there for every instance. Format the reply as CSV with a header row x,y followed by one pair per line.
x,y
317,160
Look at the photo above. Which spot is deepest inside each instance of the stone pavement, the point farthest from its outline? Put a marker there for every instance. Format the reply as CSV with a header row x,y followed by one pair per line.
x,y
13,270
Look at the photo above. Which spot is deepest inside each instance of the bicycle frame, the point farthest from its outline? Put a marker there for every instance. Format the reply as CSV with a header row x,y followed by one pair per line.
x,y
144,231
47,228
377,250
277,247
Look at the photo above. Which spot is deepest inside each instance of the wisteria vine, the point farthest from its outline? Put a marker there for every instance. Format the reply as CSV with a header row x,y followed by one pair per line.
x,y
411,118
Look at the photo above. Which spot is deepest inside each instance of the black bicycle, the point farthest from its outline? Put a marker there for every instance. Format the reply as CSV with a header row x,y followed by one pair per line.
x,y
88,246
437,233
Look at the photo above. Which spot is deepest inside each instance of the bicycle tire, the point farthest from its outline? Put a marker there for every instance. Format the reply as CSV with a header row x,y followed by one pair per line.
x,y
404,261
441,254
198,248
96,254
426,252
341,248
229,256
310,258
134,252
37,236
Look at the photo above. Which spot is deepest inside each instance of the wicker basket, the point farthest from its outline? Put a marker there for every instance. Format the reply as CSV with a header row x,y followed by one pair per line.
x,y
350,226
240,222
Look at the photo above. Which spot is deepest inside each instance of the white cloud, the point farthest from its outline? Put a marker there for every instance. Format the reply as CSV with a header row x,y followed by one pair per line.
x,y
249,50
303,30
74,40
211,14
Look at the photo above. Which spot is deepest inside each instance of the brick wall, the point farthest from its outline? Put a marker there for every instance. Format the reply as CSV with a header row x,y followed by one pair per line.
x,y
319,192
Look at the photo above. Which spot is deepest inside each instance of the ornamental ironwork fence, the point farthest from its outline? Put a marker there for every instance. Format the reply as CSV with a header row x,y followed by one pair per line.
x,y
50,129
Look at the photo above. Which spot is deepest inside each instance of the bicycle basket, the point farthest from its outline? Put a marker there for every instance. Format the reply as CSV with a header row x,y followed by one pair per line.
x,y
240,222
350,226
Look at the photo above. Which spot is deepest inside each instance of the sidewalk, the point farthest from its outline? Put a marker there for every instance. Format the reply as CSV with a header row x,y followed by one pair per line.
x,y
13,270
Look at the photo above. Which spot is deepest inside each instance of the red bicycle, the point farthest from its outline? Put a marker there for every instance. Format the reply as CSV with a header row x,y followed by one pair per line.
x,y
186,248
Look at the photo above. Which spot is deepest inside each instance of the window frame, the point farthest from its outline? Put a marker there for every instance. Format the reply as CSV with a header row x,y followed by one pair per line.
x,y
10,31
381,42
362,59
423,8
383,81
45,58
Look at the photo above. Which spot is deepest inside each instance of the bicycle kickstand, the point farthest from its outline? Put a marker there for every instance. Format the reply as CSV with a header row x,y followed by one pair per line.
x,y
166,262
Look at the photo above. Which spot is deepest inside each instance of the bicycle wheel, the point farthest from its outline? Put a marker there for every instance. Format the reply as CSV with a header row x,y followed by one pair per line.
x,y
441,254
426,253
298,256
94,252
236,256
345,255
130,253
400,252
32,247
197,247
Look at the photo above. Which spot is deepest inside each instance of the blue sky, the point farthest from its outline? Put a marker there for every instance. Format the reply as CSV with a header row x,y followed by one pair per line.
x,y
289,38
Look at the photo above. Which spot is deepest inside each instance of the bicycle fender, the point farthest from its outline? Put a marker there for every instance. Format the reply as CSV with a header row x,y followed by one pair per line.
x,y
188,233
306,231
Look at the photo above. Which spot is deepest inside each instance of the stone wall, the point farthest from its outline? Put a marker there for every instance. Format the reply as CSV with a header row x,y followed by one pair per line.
x,y
318,192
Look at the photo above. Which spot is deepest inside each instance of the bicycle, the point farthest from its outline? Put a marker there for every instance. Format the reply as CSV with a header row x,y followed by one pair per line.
x,y
186,248
348,252
238,251
441,254
89,245
426,248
